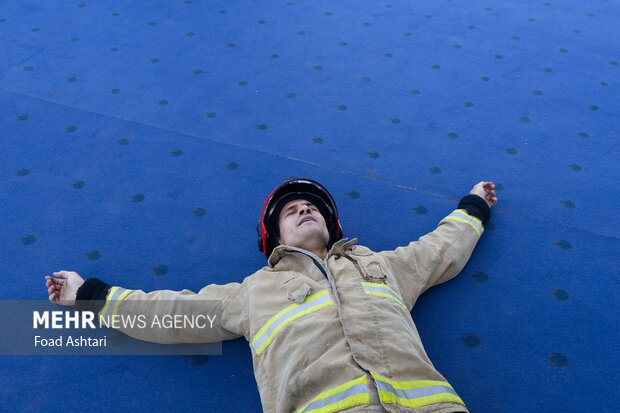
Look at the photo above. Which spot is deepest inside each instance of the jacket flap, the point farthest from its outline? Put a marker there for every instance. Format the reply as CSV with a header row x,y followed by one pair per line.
x,y
299,296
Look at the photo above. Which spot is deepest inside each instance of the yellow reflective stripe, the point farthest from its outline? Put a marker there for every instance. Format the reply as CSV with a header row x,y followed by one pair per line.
x,y
118,301
104,310
386,295
461,215
113,298
288,320
294,311
380,285
395,296
415,393
412,384
286,310
352,393
388,397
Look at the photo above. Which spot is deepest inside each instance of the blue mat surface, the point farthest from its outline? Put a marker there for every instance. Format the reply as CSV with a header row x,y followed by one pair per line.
x,y
140,140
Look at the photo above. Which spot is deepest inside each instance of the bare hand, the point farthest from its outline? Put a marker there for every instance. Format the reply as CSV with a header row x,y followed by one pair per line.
x,y
63,287
486,191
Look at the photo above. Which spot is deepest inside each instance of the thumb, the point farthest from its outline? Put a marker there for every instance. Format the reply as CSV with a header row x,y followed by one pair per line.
x,y
62,274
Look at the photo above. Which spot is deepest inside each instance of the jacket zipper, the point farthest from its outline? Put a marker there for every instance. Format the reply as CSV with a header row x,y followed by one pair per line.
x,y
328,275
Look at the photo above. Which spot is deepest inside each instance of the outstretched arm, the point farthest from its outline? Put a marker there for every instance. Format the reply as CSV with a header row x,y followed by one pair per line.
x,y
228,301
440,255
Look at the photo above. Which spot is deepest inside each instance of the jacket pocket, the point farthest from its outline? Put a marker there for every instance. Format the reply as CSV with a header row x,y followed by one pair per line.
x,y
299,296
370,267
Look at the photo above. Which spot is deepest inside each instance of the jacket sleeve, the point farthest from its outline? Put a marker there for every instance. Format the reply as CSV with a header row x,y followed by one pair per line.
x,y
215,313
439,255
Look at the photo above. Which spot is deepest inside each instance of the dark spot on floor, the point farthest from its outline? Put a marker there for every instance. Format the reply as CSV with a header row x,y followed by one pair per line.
x,y
137,197
160,270
420,210
199,212
558,360
28,239
470,340
479,276
563,244
353,194
568,204
560,294
92,255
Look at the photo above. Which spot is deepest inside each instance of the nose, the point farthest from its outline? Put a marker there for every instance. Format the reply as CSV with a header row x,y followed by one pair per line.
x,y
304,209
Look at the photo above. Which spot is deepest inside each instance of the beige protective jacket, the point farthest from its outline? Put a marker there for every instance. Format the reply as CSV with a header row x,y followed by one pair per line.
x,y
328,335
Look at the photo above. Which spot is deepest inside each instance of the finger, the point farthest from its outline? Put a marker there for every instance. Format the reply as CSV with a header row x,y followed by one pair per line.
x,y
62,274
53,281
58,281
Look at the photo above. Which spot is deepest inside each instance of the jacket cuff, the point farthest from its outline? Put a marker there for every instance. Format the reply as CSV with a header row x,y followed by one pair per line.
x,y
476,206
91,295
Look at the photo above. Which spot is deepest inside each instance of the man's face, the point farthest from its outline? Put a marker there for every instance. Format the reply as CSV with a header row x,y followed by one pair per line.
x,y
302,225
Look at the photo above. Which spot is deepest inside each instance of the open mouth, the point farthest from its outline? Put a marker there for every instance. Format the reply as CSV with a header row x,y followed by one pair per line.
x,y
305,219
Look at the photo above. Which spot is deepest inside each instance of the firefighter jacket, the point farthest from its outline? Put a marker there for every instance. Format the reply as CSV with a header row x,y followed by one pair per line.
x,y
328,335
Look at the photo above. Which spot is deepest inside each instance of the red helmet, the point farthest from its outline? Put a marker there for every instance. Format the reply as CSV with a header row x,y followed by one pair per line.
x,y
314,192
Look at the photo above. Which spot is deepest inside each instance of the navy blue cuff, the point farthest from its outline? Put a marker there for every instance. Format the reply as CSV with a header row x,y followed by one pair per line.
x,y
476,206
91,295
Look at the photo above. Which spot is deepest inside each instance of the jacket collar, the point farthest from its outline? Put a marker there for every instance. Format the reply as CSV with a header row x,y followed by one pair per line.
x,y
281,251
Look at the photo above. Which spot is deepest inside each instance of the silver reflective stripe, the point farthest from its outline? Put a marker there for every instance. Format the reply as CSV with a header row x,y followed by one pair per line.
x,y
267,333
385,290
360,388
415,393
471,221
112,302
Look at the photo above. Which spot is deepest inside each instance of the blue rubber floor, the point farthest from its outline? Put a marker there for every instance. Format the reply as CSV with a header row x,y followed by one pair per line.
x,y
140,139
